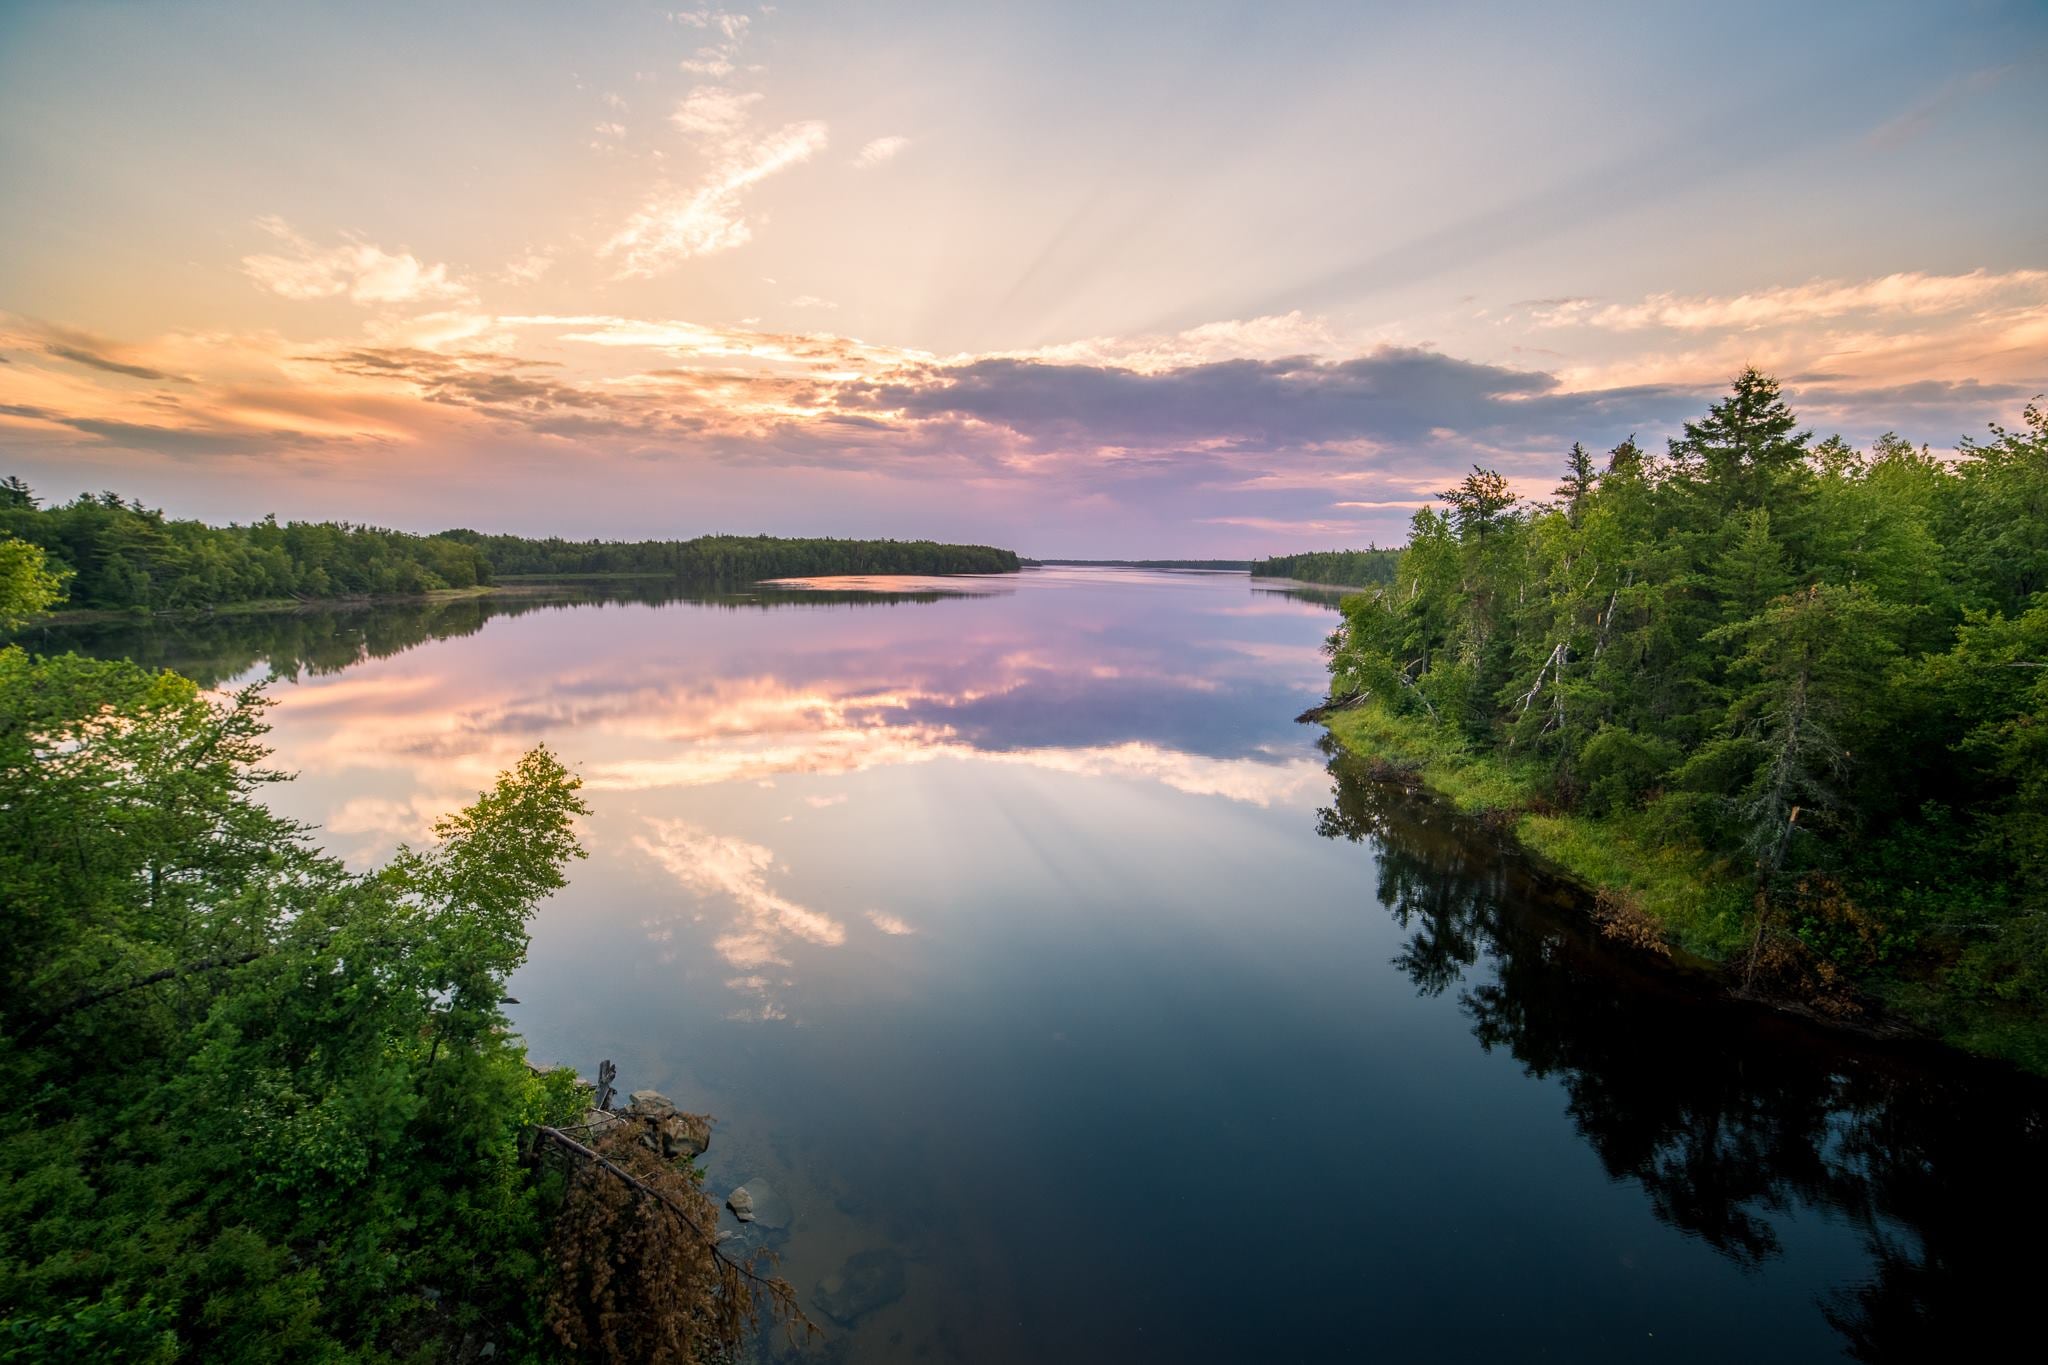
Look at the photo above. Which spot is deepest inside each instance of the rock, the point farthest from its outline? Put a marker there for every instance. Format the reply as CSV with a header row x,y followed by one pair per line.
x,y
671,1132
742,1246
683,1135
649,1104
598,1122
762,1204
869,1280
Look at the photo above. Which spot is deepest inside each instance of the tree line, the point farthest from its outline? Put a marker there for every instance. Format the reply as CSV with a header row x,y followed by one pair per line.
x,y
1343,568
1822,670
729,559
116,554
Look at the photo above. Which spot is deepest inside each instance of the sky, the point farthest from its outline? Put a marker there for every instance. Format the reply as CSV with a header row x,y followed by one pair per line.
x,y
1076,279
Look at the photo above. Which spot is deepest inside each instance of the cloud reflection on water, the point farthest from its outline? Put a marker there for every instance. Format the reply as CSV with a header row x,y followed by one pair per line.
x,y
681,719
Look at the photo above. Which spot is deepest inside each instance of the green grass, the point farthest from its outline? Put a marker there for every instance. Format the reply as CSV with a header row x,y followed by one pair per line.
x,y
1693,897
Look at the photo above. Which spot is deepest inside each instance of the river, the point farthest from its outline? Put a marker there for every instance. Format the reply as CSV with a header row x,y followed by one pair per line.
x,y
1012,928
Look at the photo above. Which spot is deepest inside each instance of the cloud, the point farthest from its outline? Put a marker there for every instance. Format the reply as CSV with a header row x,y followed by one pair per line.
x,y
1389,394
80,356
677,225
528,268
714,114
717,59
1906,293
733,26
366,274
78,347
1260,338
889,924
879,150
811,301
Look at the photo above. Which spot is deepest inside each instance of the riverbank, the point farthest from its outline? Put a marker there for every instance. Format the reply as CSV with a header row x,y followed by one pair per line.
x,y
264,606
1699,905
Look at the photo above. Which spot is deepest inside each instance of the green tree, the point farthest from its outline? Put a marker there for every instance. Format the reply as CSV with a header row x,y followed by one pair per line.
x,y
1480,503
259,1108
28,587
1579,478
1745,449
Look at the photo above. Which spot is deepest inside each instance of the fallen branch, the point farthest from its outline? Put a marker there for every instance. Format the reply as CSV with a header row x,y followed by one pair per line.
x,y
778,1291
1323,710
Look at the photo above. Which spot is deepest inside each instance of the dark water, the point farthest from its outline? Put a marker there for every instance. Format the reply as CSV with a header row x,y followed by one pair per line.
x,y
1023,935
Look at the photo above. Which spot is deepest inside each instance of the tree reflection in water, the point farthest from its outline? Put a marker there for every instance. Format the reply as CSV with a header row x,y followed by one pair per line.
x,y
324,638
1731,1119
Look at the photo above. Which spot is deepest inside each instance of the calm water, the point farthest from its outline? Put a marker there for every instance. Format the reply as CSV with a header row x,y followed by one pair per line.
x,y
1024,935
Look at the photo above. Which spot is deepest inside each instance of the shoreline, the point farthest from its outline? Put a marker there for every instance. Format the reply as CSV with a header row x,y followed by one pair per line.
x,y
509,585
261,606
1693,901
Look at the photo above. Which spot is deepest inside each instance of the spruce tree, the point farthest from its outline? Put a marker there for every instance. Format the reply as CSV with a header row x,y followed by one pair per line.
x,y
1746,445
1579,478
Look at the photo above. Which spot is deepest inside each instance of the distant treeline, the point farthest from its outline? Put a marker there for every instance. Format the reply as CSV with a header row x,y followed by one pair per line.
x,y
1348,568
730,559
117,554
1222,565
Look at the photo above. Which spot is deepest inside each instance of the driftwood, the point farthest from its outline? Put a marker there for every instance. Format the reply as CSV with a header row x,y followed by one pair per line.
x,y
1324,710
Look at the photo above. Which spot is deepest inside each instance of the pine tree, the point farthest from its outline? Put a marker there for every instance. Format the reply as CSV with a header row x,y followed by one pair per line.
x,y
1480,502
1750,574
1579,478
1626,459
1744,447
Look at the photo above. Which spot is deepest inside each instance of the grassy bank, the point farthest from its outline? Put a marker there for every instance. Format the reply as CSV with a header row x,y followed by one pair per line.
x,y
1700,903
1694,899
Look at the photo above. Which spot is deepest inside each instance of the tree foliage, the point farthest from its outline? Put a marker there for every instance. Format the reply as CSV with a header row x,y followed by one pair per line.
x,y
261,1108
1345,568
27,585
1823,666
117,554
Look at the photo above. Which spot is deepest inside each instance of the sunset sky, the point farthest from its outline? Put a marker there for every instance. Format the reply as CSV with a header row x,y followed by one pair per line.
x,y
1076,279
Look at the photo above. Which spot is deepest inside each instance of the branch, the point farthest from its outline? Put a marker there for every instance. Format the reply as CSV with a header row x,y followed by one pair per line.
x,y
1409,683
43,1023
776,1289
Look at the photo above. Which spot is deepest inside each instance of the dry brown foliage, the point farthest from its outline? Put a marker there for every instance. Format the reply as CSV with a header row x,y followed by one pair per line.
x,y
1622,918
1399,774
1500,819
1776,964
638,1275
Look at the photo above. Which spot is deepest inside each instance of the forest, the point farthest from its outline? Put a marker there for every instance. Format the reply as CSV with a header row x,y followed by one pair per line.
x,y
1783,700
728,560
1342,568
1220,565
118,555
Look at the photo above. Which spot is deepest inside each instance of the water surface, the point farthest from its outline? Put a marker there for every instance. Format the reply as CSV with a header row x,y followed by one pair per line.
x,y
1012,925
